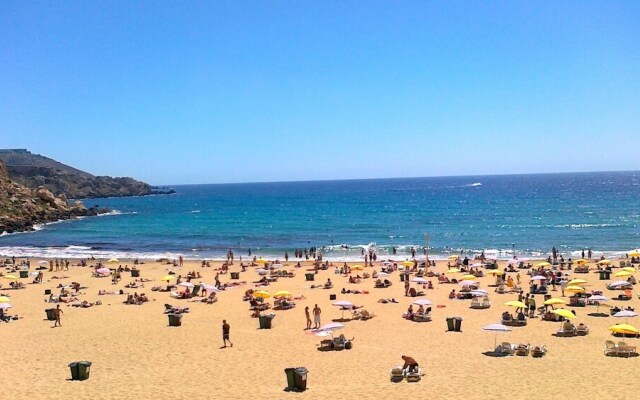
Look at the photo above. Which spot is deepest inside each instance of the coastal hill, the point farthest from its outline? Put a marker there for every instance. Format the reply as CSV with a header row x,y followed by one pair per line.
x,y
34,171
22,208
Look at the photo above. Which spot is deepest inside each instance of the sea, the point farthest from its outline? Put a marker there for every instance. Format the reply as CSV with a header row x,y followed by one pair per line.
x,y
502,216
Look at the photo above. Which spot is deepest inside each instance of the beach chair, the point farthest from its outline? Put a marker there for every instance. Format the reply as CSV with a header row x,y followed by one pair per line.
x,y
625,349
476,303
566,330
396,374
522,350
610,348
582,330
538,351
505,348
486,303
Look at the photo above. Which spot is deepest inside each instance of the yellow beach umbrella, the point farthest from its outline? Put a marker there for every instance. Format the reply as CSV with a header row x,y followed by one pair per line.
x,y
4,299
564,313
452,258
168,278
261,261
622,274
407,263
357,267
581,261
575,282
262,294
634,253
452,271
494,272
604,262
282,293
624,329
554,301
542,264
574,288
515,303
10,277
628,269
113,260
469,278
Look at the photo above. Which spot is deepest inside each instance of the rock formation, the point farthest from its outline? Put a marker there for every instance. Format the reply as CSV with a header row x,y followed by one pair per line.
x,y
22,208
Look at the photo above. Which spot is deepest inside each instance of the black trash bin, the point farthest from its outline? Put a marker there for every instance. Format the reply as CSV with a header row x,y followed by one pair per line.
x,y
135,273
450,324
458,324
265,321
605,275
403,277
47,292
51,316
310,277
332,297
301,378
80,370
235,275
24,274
291,378
175,319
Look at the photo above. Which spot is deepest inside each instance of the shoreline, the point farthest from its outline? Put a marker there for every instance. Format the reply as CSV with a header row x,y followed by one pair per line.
x,y
87,252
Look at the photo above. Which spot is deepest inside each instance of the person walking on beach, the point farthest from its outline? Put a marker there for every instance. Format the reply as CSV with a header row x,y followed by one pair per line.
x,y
589,254
57,313
407,286
306,313
226,329
316,316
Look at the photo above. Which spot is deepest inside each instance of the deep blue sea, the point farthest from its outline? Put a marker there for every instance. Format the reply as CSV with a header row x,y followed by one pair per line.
x,y
497,214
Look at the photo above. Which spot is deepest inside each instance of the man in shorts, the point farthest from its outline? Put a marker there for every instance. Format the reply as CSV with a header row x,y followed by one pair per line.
x,y
226,328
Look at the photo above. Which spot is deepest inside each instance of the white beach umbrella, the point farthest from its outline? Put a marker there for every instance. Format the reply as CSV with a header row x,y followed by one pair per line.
x,y
344,305
328,329
625,314
468,283
539,278
210,288
598,298
5,305
418,280
422,302
496,328
383,274
186,284
619,283
103,271
261,271
479,293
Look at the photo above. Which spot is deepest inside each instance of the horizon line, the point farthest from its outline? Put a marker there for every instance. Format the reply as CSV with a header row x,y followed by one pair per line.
x,y
397,178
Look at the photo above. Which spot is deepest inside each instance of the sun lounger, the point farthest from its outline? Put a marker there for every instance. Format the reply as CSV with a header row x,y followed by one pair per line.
x,y
538,351
567,330
522,350
582,330
505,348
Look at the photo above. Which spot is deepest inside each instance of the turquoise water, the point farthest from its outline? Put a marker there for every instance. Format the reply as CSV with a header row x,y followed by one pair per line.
x,y
497,214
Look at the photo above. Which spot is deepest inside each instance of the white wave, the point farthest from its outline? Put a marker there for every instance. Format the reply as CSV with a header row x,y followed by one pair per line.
x,y
194,211
116,212
476,184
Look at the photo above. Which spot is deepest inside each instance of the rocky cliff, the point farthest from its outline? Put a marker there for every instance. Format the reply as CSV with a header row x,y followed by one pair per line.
x,y
33,171
21,208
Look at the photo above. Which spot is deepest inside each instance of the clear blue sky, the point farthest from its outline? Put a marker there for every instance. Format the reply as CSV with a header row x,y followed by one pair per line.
x,y
203,92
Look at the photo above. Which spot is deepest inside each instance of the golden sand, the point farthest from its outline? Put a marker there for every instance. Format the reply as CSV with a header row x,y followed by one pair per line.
x,y
136,355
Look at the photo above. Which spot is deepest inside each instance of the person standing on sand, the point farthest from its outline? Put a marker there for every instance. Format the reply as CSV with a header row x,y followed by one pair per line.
x,y
226,330
316,316
306,313
57,313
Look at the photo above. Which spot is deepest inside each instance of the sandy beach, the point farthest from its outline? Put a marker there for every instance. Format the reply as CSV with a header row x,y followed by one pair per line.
x,y
135,354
